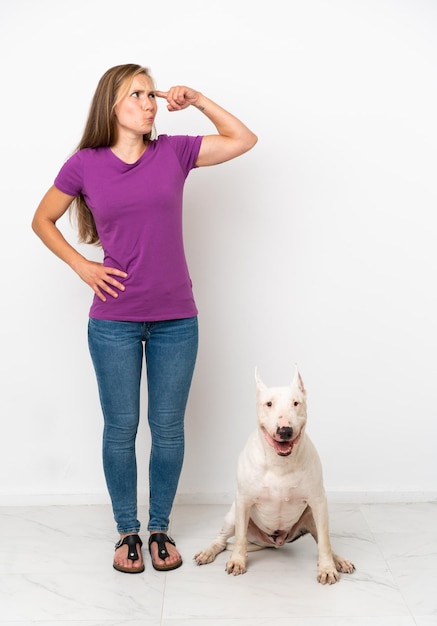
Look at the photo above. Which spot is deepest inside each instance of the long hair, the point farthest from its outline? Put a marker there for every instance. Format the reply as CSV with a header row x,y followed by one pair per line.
x,y
101,131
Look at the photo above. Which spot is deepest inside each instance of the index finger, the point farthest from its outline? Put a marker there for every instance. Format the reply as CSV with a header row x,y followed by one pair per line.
x,y
115,272
161,94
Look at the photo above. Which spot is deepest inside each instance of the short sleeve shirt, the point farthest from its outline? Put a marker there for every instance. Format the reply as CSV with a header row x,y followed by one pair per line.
x,y
137,209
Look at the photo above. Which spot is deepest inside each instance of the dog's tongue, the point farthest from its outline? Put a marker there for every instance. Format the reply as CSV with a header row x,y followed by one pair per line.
x,y
283,448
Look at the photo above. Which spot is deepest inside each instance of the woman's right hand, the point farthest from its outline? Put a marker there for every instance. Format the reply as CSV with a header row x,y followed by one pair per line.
x,y
100,278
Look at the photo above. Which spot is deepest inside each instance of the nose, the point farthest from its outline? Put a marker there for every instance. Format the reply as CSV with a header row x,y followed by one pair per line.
x,y
148,104
285,433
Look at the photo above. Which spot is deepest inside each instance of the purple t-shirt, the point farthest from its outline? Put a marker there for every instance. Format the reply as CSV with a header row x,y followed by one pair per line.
x,y
137,209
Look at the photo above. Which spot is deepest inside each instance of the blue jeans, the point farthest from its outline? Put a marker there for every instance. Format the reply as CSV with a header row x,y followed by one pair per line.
x,y
170,349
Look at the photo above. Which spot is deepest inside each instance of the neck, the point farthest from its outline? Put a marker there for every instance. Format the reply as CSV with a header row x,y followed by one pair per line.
x,y
129,151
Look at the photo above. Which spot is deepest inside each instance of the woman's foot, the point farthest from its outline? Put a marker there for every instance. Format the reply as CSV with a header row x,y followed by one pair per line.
x,y
163,552
128,557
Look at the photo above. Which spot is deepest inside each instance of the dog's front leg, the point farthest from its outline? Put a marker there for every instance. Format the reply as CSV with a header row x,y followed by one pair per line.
x,y
327,570
237,563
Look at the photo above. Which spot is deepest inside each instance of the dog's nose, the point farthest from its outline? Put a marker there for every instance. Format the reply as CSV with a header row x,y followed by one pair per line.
x,y
285,433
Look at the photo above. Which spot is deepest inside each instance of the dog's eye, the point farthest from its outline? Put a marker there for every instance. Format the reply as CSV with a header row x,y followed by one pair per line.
x,y
269,403
296,403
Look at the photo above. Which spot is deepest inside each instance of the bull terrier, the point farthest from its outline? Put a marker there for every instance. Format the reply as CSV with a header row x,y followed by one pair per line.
x,y
280,493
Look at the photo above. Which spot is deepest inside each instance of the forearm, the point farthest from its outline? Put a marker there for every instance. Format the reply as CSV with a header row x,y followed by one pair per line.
x,y
52,237
103,280
226,123
234,138
52,207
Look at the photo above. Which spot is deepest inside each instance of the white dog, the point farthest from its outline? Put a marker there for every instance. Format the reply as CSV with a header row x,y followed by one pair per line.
x,y
280,493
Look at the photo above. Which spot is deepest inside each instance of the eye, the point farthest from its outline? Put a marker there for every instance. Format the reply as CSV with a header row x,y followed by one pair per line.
x,y
135,94
152,95
269,403
296,403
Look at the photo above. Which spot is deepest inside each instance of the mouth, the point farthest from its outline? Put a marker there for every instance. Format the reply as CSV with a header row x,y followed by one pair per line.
x,y
282,448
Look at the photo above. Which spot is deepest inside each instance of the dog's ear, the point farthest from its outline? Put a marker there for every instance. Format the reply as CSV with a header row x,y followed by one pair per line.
x,y
259,383
297,381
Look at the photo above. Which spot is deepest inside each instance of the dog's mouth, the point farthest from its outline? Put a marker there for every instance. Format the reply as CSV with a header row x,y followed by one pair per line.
x,y
282,448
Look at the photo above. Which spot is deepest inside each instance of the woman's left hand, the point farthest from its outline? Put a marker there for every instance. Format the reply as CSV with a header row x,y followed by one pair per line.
x,y
232,138
179,97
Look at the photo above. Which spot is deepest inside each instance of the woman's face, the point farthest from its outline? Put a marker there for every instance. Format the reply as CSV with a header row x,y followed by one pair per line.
x,y
135,112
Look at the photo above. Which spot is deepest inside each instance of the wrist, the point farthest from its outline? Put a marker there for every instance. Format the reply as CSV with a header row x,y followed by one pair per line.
x,y
76,262
200,102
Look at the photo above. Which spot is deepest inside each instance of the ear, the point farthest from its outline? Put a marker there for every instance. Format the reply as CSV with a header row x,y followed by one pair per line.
x,y
297,380
259,383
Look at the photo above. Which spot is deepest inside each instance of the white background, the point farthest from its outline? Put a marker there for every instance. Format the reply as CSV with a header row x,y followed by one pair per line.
x,y
318,247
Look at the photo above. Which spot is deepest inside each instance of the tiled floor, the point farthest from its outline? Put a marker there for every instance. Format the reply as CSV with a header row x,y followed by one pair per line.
x,y
56,570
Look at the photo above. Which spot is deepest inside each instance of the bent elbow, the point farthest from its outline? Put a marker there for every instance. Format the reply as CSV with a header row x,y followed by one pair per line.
x,y
34,225
251,141
39,225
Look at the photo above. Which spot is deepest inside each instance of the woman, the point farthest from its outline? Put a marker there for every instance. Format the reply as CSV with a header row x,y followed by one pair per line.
x,y
126,189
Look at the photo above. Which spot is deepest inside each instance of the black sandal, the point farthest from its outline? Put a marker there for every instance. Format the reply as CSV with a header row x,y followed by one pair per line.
x,y
131,542
161,539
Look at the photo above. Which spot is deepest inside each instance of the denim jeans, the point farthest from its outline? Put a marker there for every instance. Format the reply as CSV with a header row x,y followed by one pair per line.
x,y
117,350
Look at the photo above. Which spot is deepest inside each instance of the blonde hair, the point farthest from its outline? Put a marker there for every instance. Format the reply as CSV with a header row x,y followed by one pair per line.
x,y
101,131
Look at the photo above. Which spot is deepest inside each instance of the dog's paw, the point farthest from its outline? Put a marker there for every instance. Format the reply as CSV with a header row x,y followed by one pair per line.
x,y
236,566
328,576
343,565
204,557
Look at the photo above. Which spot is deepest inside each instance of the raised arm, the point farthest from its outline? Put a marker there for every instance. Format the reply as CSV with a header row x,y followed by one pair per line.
x,y
53,205
233,138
